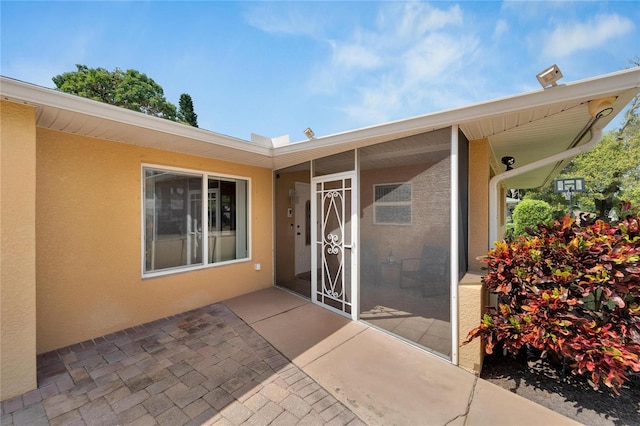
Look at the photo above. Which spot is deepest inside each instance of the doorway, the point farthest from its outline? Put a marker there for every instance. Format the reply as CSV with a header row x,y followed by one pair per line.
x,y
333,257
302,225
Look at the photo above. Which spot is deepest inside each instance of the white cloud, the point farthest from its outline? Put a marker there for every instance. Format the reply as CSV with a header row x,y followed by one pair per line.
x,y
393,69
431,57
409,61
354,55
501,28
594,33
415,19
290,20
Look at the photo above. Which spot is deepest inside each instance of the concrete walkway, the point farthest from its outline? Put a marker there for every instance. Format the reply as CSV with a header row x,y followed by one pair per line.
x,y
266,358
383,380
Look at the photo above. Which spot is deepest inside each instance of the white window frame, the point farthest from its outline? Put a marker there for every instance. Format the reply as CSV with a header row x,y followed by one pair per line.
x,y
205,176
377,204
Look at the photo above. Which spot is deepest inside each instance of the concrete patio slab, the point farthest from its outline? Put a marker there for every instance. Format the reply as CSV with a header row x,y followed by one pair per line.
x,y
387,381
382,379
494,405
307,332
263,304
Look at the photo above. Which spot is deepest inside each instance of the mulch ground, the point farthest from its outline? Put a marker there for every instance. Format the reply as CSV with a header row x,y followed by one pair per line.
x,y
541,382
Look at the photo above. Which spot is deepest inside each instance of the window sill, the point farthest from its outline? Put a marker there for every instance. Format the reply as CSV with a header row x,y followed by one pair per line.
x,y
185,269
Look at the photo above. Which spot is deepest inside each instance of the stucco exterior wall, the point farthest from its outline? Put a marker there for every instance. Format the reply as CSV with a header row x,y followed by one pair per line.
x,y
17,249
479,176
285,232
471,303
471,293
88,224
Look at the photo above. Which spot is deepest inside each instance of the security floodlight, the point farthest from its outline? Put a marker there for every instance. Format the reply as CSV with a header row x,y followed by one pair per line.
x,y
309,133
508,161
549,77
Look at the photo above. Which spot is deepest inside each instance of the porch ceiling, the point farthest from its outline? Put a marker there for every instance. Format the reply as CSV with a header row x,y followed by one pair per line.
x,y
528,127
537,133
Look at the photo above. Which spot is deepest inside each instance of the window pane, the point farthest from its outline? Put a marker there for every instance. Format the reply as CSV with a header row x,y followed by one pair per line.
x,y
177,218
392,204
393,193
393,214
173,220
227,212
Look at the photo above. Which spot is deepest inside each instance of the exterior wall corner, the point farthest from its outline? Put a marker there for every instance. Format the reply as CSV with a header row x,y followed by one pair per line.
x,y
479,177
17,249
472,299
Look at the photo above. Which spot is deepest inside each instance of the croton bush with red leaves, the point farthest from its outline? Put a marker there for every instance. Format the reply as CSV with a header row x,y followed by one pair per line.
x,y
572,291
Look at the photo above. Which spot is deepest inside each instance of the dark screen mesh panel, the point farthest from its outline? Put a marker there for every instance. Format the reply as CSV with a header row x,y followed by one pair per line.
x,y
405,198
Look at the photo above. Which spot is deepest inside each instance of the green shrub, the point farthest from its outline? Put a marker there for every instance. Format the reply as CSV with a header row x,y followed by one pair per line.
x,y
570,291
528,214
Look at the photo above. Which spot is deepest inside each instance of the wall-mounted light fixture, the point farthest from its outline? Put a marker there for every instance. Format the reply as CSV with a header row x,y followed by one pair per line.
x,y
508,161
549,77
309,133
293,196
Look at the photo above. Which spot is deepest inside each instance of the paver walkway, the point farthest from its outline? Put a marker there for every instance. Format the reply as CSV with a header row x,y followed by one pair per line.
x,y
204,366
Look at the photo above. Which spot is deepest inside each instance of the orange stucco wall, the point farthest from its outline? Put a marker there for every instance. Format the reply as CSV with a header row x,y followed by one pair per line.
x,y
479,176
88,226
17,249
285,234
472,296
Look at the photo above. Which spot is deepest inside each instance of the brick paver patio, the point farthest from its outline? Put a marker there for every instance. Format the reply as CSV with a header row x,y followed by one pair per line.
x,y
206,366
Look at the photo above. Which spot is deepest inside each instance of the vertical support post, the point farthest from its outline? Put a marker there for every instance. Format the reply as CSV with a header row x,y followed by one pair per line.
x,y
570,202
453,249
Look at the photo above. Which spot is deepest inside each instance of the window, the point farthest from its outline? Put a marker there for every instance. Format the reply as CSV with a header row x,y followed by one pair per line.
x,y
392,204
174,233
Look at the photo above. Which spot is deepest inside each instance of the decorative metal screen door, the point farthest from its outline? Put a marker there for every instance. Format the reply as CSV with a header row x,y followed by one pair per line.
x,y
333,250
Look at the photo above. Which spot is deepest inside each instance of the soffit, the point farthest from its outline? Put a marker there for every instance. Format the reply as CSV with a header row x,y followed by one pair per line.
x,y
206,144
75,115
528,127
538,133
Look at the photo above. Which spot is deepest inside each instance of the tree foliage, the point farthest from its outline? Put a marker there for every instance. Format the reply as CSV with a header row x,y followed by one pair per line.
x,y
530,213
611,172
631,122
129,89
186,114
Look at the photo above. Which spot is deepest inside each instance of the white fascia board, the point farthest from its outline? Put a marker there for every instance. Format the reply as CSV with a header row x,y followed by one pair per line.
x,y
30,94
588,89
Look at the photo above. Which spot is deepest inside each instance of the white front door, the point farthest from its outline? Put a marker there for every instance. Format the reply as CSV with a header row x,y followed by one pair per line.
x,y
334,257
302,228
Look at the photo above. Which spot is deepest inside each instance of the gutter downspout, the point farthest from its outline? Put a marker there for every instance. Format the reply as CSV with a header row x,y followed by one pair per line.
x,y
596,135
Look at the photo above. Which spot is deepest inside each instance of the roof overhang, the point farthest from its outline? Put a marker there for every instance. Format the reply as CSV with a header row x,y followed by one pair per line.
x,y
73,114
528,127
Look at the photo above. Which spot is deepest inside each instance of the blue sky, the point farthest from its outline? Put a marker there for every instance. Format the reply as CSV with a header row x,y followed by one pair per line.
x,y
275,68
